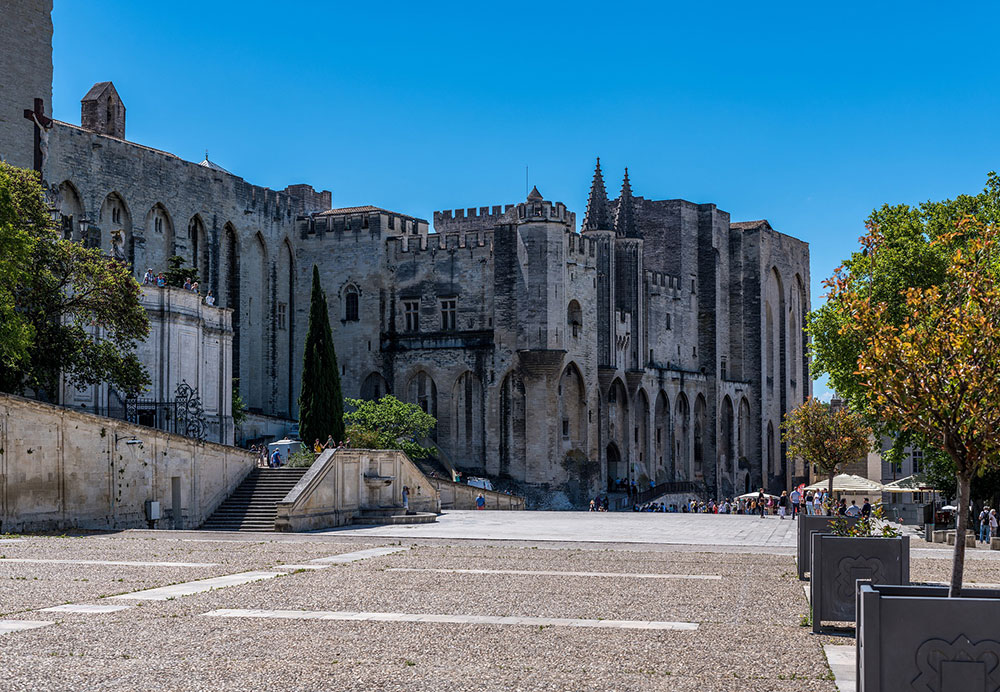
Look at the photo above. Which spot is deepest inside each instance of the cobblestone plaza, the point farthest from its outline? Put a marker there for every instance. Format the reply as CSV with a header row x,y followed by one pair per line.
x,y
552,601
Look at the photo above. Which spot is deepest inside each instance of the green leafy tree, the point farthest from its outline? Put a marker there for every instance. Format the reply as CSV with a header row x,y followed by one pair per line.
x,y
238,405
909,256
389,424
932,368
177,273
80,307
321,405
830,438
22,220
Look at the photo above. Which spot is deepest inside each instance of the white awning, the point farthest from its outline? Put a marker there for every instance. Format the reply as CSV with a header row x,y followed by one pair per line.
x,y
848,483
916,483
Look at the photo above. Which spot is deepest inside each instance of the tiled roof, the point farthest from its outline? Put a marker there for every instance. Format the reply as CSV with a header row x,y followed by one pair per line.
x,y
750,225
353,210
214,166
96,91
368,208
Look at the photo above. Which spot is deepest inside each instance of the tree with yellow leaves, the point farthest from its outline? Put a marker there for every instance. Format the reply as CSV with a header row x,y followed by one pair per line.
x,y
936,371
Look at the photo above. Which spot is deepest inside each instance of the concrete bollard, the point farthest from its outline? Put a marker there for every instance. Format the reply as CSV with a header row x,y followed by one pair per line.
x,y
995,543
970,539
940,536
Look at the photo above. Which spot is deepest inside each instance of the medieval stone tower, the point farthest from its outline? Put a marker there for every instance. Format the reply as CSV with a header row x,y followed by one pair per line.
x,y
25,75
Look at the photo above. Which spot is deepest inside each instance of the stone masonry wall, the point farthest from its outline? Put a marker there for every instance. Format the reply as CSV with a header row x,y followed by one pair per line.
x,y
61,469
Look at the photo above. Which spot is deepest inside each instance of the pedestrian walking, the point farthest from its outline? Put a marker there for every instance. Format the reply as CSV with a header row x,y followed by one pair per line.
x,y
984,525
993,522
480,502
406,498
866,509
275,459
760,502
782,504
795,497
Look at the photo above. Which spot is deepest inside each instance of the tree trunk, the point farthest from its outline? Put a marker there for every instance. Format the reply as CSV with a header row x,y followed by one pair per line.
x,y
958,562
829,494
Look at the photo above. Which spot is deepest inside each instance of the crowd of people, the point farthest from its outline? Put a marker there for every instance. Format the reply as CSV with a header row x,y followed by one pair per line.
x,y
319,447
763,504
160,280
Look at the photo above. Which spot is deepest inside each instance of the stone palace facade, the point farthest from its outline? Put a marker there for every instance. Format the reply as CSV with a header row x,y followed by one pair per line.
x,y
656,340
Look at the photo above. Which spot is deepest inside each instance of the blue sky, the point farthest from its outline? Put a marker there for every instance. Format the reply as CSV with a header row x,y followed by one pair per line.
x,y
807,115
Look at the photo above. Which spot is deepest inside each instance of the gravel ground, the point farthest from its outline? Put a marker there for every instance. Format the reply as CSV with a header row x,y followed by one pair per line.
x,y
749,637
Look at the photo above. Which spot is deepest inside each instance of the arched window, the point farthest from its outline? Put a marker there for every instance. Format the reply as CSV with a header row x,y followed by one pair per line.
x,y
351,304
574,317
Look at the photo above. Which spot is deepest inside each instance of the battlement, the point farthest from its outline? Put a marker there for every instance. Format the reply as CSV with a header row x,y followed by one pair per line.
x,y
471,219
543,210
661,280
399,247
351,221
579,246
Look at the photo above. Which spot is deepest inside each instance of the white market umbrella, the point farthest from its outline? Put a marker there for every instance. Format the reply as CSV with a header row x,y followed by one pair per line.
x,y
849,483
916,483
753,496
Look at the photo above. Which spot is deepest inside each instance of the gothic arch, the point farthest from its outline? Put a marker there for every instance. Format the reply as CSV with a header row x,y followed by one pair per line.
x,y
699,437
70,210
352,299
257,323
231,299
374,387
422,391
618,418
800,361
198,244
285,324
772,466
682,438
661,437
159,235
743,431
512,423
574,318
114,235
641,437
467,420
727,437
572,410
616,465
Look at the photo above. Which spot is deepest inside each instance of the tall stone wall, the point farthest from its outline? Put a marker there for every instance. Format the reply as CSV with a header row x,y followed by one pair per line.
x,y
189,342
25,74
62,469
148,205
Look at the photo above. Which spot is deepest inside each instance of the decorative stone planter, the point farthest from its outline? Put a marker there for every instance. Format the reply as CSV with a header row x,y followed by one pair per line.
x,y
916,638
940,536
808,525
970,539
838,562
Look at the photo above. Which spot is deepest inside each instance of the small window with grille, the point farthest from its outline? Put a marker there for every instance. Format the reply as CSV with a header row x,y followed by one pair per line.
x,y
449,308
411,313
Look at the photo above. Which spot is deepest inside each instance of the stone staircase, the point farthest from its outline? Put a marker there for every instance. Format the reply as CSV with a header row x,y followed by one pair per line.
x,y
252,506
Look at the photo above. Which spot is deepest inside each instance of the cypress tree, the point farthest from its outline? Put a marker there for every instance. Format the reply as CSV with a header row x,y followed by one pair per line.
x,y
321,406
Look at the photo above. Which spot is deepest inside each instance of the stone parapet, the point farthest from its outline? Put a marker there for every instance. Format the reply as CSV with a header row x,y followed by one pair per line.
x,y
64,469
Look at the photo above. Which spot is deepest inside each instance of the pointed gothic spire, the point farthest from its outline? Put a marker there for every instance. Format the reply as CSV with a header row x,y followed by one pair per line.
x,y
535,195
625,221
597,217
